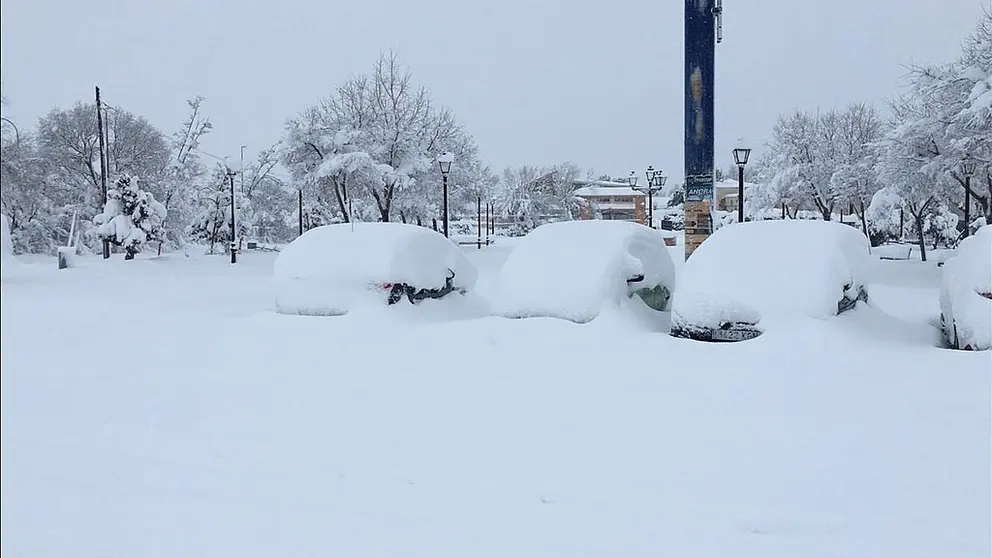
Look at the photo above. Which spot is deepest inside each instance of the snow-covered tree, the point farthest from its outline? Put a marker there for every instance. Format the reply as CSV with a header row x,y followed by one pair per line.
x,y
947,117
859,129
903,167
820,160
803,155
185,173
131,216
374,142
212,223
269,204
530,195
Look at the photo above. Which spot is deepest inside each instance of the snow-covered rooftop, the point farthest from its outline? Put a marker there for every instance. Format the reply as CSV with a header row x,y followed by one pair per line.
x,y
608,191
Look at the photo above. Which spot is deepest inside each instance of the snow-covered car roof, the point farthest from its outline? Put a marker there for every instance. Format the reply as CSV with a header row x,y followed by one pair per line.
x,y
965,285
330,268
570,269
748,272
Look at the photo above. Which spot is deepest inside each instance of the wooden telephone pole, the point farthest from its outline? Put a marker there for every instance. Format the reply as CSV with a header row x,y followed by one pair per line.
x,y
103,163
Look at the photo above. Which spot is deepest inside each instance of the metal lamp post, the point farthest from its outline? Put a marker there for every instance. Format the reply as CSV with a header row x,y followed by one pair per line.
x,y
632,182
741,154
444,162
656,181
234,219
968,166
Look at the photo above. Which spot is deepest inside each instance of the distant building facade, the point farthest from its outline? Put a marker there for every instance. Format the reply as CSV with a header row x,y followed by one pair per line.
x,y
613,201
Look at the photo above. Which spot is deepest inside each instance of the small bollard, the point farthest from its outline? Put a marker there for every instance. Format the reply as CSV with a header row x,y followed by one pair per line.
x,y
67,257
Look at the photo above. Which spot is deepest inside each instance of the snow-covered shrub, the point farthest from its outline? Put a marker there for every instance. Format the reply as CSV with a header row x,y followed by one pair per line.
x,y
131,216
883,216
942,227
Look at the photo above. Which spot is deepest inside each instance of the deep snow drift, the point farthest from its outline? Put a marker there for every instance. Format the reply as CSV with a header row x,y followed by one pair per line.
x,y
161,408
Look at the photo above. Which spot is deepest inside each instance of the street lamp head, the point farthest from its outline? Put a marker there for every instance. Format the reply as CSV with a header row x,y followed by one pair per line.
x,y
660,179
444,161
968,165
632,179
650,174
741,152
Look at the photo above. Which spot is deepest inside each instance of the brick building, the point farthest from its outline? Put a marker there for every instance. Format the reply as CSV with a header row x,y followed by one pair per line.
x,y
613,201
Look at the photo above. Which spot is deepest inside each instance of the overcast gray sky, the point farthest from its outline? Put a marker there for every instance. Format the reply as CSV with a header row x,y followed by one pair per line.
x,y
598,83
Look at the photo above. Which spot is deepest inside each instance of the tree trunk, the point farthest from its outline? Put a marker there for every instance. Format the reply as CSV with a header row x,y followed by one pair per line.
x,y
864,222
403,217
342,199
918,219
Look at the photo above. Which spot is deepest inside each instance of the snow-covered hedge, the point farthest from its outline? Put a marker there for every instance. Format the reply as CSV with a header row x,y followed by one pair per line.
x,y
571,269
966,288
331,269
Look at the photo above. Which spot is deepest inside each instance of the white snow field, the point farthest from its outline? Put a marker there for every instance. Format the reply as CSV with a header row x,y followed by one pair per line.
x,y
162,408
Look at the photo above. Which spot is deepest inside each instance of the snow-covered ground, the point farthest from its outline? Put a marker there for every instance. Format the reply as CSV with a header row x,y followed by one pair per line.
x,y
162,408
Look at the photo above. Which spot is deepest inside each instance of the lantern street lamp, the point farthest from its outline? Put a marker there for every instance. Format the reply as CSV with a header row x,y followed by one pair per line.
x,y
741,154
968,167
444,162
656,181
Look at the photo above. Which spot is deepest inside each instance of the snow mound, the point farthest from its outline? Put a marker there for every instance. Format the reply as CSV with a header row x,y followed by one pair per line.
x,y
570,270
967,314
753,271
6,245
330,269
7,259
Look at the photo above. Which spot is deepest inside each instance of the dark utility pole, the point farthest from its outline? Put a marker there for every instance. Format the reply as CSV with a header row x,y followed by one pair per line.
x,y
103,164
301,212
478,220
234,221
967,205
444,178
701,34
740,193
487,223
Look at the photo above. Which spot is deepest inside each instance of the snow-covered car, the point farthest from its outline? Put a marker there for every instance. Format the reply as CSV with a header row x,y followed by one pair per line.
x,y
330,270
748,275
966,294
571,270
